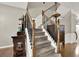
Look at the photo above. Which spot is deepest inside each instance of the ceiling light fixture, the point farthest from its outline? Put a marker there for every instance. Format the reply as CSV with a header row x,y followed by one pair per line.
x,y
43,2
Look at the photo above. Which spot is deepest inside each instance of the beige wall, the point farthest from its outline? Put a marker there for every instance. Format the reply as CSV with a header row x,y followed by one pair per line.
x,y
65,17
67,22
73,22
8,23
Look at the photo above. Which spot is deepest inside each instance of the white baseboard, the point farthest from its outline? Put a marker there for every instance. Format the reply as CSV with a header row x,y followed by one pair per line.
x,y
3,47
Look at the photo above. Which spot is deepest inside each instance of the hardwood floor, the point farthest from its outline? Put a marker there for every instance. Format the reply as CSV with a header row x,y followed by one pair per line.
x,y
6,52
70,50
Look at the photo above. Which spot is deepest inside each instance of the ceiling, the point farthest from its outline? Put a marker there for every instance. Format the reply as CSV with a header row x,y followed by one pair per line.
x,y
22,5
35,8
39,4
72,5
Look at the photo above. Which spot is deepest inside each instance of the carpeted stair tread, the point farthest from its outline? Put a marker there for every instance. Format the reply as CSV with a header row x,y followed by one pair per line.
x,y
45,50
43,42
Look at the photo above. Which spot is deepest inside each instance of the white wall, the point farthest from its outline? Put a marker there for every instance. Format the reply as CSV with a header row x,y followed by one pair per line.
x,y
65,17
16,4
67,22
73,21
8,23
68,18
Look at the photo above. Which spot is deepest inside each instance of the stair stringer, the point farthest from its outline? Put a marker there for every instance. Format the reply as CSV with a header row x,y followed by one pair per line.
x,y
53,43
28,49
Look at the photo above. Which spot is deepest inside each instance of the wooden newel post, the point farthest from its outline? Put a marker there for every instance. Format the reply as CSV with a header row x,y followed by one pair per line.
x,y
57,30
42,17
58,36
33,38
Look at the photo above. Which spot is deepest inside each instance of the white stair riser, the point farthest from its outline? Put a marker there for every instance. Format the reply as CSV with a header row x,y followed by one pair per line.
x,y
46,53
42,45
41,39
40,34
37,30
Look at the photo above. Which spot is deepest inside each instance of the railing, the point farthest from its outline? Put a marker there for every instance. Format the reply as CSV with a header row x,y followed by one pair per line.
x,y
31,30
31,27
45,22
45,19
33,38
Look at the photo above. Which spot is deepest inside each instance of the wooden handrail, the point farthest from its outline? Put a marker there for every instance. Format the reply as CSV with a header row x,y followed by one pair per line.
x,y
43,22
58,36
33,38
29,15
33,34
48,8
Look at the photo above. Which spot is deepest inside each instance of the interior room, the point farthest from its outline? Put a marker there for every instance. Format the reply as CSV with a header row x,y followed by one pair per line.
x,y
39,29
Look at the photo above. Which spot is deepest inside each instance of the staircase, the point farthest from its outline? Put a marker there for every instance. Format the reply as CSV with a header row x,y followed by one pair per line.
x,y
43,45
40,45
